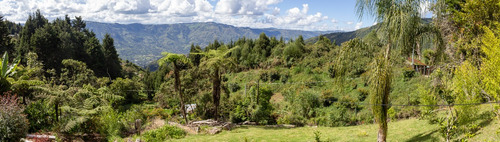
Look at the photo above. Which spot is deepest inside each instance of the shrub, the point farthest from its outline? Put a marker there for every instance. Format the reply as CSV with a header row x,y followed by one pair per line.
x,y
234,87
292,119
264,76
306,102
275,75
128,118
13,123
262,112
110,123
164,133
40,116
408,74
285,76
163,113
246,110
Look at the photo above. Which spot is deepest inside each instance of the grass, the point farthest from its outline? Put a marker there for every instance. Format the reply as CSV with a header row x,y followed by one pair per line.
x,y
404,130
489,133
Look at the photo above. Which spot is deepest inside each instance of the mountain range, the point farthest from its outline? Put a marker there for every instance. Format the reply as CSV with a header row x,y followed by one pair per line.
x,y
142,44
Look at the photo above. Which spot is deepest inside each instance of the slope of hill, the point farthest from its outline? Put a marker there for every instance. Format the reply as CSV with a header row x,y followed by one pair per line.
x,y
142,44
341,37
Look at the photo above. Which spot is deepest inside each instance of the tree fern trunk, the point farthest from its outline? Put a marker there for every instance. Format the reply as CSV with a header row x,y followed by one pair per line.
x,y
216,91
179,91
57,112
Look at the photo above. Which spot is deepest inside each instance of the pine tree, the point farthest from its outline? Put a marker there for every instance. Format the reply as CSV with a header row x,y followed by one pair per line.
x,y
112,62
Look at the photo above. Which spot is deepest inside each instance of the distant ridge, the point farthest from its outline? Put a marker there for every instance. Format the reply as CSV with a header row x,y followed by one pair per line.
x,y
142,43
341,37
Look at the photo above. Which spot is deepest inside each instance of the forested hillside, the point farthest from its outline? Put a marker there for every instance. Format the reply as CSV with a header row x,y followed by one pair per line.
x,y
57,78
142,44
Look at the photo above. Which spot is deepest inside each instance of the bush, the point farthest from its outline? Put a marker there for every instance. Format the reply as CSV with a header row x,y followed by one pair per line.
x,y
264,76
247,110
285,76
408,74
127,88
234,87
164,133
306,103
110,123
275,75
40,116
292,119
163,113
13,124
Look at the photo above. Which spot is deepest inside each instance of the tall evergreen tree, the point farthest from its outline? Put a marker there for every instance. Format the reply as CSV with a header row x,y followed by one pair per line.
x,y
195,58
112,62
97,58
5,45
45,43
35,21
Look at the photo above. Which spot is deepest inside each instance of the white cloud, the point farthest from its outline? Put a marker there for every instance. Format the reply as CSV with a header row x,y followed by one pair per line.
x,y
334,21
350,23
246,13
358,25
244,7
298,17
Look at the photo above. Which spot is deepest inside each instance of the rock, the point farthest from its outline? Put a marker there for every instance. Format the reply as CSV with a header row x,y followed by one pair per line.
x,y
249,123
228,126
205,122
214,130
138,140
288,126
196,129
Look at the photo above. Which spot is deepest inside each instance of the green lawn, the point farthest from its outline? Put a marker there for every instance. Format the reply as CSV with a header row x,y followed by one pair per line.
x,y
404,130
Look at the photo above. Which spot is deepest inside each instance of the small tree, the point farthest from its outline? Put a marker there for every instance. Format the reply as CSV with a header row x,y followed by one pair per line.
x,y
176,59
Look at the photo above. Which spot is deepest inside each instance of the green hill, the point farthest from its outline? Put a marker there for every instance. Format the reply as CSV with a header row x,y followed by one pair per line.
x,y
341,37
142,44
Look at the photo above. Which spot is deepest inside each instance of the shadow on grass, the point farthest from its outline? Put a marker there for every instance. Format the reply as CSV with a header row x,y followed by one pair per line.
x,y
426,136
277,127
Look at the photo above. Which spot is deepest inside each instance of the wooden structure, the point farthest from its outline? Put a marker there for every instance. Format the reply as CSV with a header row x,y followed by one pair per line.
x,y
420,67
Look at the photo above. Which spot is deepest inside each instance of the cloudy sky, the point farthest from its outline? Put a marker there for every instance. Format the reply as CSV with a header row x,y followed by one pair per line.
x,y
284,14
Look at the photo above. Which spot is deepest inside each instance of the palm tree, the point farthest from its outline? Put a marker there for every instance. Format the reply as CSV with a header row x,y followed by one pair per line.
x,y
399,21
176,59
217,61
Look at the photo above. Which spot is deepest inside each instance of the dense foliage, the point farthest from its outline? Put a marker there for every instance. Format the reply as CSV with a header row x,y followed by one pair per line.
x,y
13,123
70,83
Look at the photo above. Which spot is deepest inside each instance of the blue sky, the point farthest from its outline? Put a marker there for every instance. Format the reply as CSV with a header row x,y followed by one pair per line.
x,y
284,14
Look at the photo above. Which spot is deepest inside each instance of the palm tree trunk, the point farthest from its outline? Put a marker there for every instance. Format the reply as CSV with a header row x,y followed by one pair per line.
x,y
216,91
382,132
178,89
